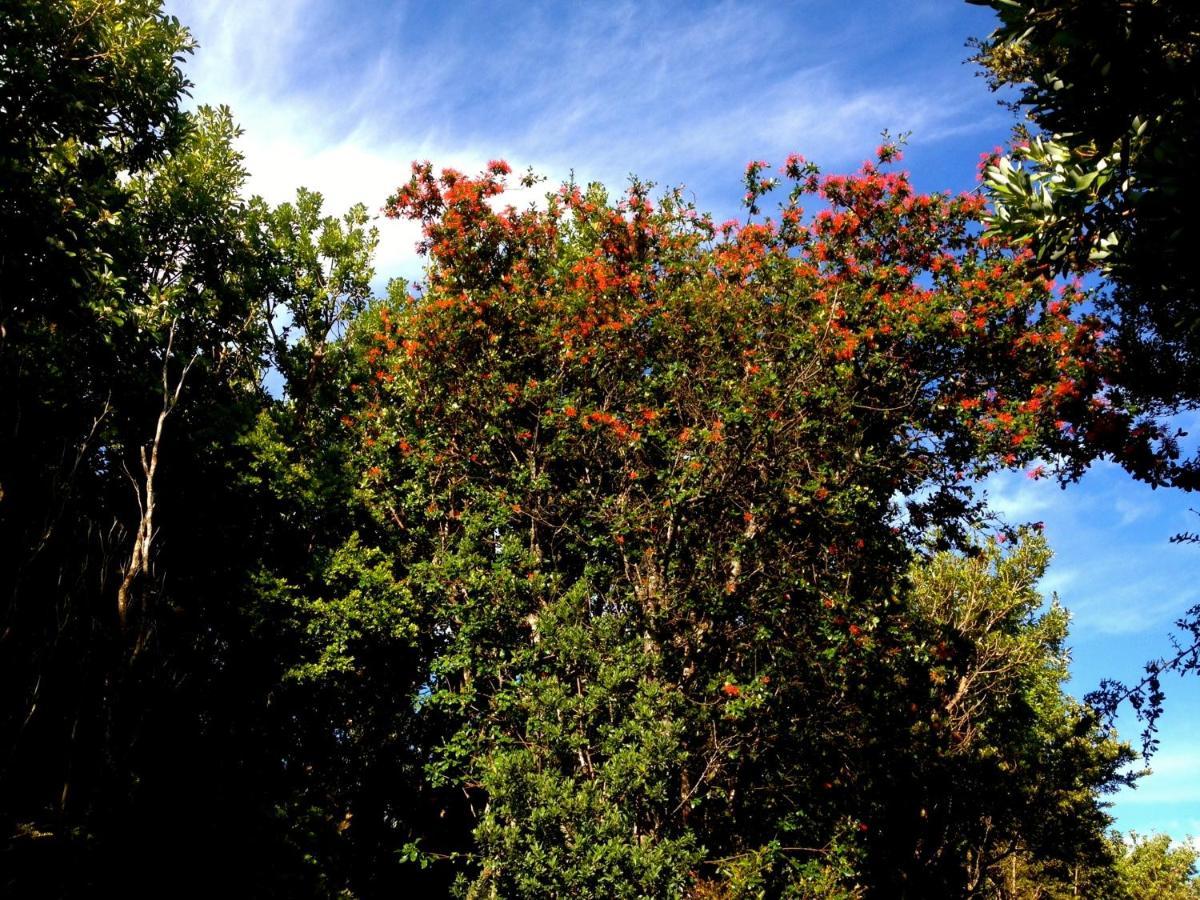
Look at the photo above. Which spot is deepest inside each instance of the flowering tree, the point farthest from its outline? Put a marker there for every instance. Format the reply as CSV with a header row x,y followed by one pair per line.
x,y
659,481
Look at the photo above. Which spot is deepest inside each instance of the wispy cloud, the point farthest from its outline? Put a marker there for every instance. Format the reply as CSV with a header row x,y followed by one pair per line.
x,y
1019,500
1174,780
1112,604
342,104
1115,569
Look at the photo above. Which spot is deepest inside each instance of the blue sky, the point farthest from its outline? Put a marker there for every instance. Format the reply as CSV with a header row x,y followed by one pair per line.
x,y
339,97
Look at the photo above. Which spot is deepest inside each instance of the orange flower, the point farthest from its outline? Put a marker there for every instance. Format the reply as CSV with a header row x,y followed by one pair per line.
x,y
731,690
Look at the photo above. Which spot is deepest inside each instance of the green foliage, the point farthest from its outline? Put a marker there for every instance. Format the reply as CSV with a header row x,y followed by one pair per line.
x,y
1108,184
1111,86
1007,729
346,641
320,284
366,601
1155,866
90,90
1042,191
1134,867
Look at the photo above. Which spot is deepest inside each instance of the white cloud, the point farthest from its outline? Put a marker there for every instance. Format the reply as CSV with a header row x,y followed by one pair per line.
x,y
1018,501
1114,601
1174,779
1114,568
609,90
1131,511
246,60
1059,579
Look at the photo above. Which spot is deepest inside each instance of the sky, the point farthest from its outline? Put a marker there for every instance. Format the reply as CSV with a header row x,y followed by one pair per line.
x,y
341,96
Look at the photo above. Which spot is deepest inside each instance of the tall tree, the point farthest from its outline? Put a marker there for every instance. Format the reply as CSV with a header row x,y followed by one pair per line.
x,y
130,352
347,646
1005,729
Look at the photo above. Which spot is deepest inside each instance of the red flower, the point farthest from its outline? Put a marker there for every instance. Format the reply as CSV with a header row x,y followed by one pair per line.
x,y
731,690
